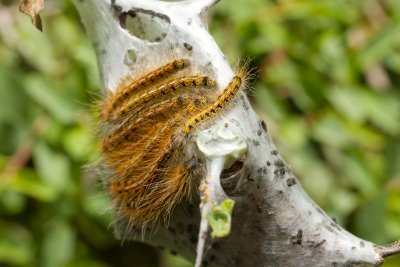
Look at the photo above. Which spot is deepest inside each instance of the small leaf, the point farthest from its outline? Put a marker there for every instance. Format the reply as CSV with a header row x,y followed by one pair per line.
x,y
220,218
32,9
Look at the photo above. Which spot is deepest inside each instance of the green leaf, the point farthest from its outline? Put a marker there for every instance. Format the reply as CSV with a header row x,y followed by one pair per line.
x,y
220,218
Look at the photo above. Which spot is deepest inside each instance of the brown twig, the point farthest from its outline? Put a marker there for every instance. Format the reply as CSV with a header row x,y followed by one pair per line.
x,y
390,250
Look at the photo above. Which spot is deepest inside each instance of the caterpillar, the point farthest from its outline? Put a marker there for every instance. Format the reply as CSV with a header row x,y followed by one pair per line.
x,y
128,88
152,118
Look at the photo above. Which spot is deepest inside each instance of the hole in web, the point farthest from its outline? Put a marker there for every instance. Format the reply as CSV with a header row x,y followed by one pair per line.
x,y
130,57
231,176
145,24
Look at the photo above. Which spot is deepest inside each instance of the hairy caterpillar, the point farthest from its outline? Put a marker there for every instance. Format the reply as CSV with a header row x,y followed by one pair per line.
x,y
152,118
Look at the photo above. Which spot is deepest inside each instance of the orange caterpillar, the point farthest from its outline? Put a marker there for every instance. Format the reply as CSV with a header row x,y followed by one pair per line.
x,y
151,118
114,100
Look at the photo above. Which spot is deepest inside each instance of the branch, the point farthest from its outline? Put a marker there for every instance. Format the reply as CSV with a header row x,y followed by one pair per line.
x,y
389,250
274,222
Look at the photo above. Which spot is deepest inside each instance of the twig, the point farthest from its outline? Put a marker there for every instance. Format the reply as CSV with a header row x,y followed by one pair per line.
x,y
390,250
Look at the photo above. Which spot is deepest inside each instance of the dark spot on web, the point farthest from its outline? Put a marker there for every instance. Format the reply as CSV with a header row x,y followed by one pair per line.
x,y
263,125
298,238
250,178
188,46
291,181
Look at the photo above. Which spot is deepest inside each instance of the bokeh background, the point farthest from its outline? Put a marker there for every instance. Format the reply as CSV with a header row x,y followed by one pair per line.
x,y
328,87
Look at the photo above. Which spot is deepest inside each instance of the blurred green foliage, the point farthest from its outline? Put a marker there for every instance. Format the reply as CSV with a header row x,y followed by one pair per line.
x,y
328,87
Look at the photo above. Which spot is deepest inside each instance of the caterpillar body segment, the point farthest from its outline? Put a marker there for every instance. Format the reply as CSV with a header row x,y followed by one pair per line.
x,y
129,88
161,90
230,91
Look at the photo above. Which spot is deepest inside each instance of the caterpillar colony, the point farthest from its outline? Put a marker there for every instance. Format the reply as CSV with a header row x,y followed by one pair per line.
x,y
149,119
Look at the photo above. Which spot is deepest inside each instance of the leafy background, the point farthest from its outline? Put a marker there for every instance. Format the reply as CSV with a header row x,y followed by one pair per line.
x,y
328,87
